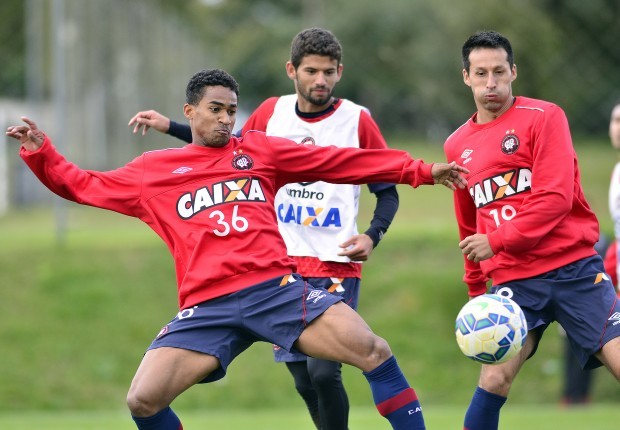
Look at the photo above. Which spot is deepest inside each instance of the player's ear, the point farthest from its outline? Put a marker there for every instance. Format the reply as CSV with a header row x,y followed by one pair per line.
x,y
514,72
290,70
466,78
188,111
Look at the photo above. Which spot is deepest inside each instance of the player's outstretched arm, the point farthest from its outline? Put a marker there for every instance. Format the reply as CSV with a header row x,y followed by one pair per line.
x,y
449,175
29,135
149,119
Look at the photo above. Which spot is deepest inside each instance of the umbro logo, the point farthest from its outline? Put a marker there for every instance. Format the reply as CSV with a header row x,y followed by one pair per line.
x,y
615,317
466,155
315,296
182,170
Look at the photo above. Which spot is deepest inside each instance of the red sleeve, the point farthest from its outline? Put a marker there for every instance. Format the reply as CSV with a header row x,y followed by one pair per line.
x,y
466,213
260,117
610,262
305,163
117,190
553,184
369,134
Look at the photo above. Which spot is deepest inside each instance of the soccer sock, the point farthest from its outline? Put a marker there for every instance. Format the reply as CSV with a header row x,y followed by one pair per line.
x,y
394,398
483,411
165,419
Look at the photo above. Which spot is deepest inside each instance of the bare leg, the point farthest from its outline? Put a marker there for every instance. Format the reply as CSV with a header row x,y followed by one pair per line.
x,y
498,378
610,356
164,374
340,334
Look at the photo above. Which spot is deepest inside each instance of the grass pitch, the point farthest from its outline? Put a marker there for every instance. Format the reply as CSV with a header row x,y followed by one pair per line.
x,y
514,417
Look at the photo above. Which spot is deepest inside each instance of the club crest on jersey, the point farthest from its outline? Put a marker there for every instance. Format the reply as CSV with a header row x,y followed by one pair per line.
x,y
510,143
242,162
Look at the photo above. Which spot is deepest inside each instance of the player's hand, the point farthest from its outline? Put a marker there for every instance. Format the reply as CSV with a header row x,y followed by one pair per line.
x,y
149,119
476,247
29,135
357,248
449,175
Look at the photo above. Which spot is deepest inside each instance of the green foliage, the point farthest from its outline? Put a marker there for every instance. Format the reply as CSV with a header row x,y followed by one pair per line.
x,y
401,60
12,43
402,57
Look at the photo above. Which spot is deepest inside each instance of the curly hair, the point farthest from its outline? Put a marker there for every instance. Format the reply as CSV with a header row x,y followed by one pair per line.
x,y
315,41
208,78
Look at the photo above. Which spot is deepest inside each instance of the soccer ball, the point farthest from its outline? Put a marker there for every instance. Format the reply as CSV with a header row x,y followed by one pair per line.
x,y
491,329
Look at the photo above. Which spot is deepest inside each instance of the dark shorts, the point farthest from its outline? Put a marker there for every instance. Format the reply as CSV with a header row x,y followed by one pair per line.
x,y
275,311
346,288
579,296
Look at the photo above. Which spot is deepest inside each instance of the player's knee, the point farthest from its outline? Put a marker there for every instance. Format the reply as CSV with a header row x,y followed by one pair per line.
x,y
303,386
379,351
325,373
495,381
140,405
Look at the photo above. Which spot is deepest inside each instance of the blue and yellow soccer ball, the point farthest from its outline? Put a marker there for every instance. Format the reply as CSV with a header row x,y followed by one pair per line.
x,y
491,329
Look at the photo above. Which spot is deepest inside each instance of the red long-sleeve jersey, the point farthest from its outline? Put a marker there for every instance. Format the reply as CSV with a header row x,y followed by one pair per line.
x,y
524,192
213,207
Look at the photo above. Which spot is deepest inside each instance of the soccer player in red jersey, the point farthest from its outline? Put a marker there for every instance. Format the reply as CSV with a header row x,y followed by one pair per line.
x,y
525,224
611,259
316,219
212,202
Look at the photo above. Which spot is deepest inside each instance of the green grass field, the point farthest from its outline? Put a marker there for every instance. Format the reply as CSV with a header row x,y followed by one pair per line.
x,y
436,417
76,315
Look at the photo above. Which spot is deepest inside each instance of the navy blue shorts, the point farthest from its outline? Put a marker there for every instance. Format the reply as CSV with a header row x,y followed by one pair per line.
x,y
347,288
275,311
579,296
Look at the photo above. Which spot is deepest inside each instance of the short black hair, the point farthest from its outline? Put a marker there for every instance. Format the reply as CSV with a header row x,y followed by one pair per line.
x,y
486,39
208,78
315,41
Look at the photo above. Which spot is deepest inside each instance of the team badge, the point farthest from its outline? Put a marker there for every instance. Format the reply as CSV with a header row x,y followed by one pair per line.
x,y
242,162
510,143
